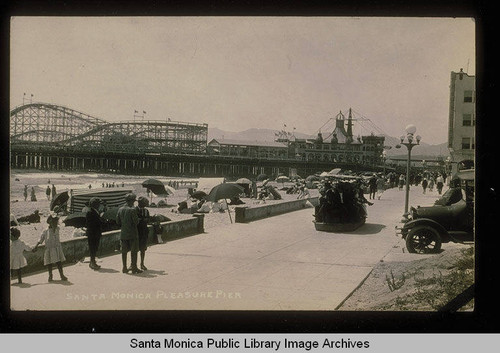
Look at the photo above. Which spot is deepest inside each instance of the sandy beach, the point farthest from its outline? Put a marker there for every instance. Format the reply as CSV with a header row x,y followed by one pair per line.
x,y
30,233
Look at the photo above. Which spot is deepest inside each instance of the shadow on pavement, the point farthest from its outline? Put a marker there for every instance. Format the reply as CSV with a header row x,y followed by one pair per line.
x,y
23,285
151,273
107,270
369,228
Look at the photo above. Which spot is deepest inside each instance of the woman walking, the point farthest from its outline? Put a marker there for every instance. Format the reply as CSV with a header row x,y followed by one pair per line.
x,y
431,183
439,184
424,184
381,185
401,182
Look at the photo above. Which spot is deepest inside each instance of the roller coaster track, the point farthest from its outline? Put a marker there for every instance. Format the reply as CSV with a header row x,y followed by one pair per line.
x,y
49,126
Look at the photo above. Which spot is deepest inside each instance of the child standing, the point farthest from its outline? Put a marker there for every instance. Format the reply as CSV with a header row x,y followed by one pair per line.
x,y
17,248
53,249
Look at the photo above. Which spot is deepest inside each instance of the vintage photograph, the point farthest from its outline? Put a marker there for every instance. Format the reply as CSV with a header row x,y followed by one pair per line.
x,y
242,163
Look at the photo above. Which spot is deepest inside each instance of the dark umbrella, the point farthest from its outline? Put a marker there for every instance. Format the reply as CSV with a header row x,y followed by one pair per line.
x,y
76,220
225,191
156,186
262,177
59,199
199,194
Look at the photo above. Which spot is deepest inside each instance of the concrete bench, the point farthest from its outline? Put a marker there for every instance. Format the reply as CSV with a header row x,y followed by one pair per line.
x,y
244,214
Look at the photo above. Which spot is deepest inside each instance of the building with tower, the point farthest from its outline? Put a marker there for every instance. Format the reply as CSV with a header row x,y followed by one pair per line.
x,y
340,146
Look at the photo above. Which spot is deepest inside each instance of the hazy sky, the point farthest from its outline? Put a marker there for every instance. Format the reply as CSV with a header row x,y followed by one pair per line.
x,y
236,73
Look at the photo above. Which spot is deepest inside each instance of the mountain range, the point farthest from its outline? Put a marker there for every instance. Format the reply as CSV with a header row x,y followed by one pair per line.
x,y
423,151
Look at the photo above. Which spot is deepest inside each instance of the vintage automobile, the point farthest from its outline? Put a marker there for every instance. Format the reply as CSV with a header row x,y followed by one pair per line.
x,y
340,214
428,227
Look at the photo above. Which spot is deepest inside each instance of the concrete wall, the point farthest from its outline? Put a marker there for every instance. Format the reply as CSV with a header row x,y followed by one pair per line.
x,y
76,249
247,214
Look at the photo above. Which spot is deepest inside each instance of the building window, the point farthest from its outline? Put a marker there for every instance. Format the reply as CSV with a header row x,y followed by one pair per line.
x,y
466,143
467,120
467,96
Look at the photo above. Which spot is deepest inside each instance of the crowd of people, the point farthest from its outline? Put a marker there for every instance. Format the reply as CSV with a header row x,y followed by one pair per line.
x,y
133,223
341,201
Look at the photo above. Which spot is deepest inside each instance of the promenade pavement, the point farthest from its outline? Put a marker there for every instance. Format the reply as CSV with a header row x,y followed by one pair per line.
x,y
278,263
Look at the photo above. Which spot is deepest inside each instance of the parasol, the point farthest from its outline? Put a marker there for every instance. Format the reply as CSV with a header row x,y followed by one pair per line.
x,y
334,171
262,177
170,190
243,181
312,178
77,220
282,179
225,191
59,199
156,186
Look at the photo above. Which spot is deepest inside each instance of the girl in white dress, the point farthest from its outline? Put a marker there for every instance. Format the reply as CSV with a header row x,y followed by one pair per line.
x,y
53,249
17,248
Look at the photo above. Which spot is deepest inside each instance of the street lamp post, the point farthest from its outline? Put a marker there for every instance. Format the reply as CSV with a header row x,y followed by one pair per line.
x,y
409,141
448,167
384,158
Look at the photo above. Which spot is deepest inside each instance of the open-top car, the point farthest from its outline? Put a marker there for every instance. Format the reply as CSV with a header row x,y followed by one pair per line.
x,y
451,218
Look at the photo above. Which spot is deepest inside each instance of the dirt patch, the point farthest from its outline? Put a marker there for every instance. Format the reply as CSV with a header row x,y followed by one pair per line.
x,y
421,285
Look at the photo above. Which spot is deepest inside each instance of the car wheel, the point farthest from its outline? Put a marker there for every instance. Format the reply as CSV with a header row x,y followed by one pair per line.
x,y
423,240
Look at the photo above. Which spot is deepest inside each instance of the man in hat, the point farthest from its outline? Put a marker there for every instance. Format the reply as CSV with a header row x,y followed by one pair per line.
x,y
452,195
94,230
128,219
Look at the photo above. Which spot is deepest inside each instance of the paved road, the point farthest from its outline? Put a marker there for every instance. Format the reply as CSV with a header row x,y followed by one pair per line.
x,y
279,263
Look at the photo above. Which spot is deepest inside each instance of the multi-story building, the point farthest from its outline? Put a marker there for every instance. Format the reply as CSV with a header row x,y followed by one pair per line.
x,y
462,121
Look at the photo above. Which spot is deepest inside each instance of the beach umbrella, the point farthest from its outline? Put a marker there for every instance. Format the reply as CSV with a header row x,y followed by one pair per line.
x,y
76,220
312,178
59,199
156,186
282,179
334,171
262,177
225,191
243,181
170,190
199,194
